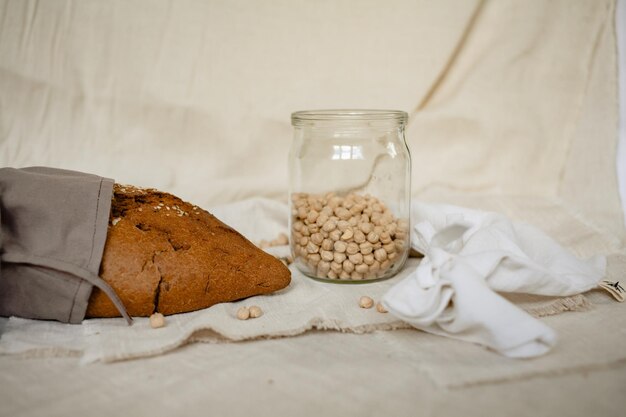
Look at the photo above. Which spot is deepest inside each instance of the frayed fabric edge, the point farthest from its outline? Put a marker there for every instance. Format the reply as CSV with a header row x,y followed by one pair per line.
x,y
577,303
574,303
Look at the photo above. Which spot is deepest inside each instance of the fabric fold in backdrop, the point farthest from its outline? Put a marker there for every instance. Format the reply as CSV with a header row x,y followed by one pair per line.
x,y
468,256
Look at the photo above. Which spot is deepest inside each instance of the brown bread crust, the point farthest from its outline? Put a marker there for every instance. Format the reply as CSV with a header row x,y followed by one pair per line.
x,y
165,255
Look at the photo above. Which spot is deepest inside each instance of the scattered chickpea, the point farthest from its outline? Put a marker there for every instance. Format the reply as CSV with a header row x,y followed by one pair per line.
x,y
255,312
157,320
243,313
282,238
381,308
366,302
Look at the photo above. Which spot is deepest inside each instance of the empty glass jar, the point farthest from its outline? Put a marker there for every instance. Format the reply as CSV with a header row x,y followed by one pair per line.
x,y
350,173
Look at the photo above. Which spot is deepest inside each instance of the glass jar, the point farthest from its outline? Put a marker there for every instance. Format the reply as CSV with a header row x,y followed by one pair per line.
x,y
350,185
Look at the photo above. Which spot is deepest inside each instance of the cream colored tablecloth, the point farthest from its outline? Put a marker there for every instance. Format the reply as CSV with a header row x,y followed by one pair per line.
x,y
330,372
399,373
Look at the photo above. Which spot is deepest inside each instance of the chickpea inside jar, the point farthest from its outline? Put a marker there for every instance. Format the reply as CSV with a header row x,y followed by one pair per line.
x,y
350,194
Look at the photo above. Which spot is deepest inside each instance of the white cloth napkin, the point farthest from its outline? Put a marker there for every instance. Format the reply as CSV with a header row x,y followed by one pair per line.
x,y
468,256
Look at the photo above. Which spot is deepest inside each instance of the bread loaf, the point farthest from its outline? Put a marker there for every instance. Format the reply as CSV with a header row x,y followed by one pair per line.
x,y
165,255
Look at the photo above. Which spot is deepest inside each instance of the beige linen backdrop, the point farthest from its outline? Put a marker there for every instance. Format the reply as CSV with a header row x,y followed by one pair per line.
x,y
506,98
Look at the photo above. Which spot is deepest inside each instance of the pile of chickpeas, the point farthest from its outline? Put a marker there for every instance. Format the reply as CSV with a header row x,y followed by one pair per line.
x,y
351,237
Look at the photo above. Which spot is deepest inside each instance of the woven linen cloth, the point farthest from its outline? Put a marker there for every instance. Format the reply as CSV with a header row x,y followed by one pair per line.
x,y
305,305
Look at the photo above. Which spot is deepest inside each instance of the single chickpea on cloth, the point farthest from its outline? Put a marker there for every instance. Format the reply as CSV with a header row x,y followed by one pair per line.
x,y
157,320
366,302
243,313
255,312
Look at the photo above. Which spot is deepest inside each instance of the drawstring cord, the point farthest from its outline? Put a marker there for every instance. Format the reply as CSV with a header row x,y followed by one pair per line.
x,y
74,270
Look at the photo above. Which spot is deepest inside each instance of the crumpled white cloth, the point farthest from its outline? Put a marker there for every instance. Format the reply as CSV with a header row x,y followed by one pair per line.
x,y
468,256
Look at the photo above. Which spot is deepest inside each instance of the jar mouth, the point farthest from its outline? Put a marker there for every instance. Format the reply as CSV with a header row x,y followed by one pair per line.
x,y
398,117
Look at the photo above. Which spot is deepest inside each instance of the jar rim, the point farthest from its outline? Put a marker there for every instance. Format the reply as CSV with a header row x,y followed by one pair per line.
x,y
355,115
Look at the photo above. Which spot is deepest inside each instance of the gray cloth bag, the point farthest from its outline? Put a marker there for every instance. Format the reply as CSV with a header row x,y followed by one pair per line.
x,y
53,230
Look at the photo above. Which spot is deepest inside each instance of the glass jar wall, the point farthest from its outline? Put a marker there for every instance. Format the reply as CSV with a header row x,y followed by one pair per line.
x,y
350,173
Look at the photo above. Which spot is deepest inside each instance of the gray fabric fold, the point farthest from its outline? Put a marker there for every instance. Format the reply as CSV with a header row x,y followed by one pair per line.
x,y
53,230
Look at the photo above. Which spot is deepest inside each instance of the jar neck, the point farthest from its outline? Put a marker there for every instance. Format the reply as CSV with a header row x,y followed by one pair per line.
x,y
350,119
